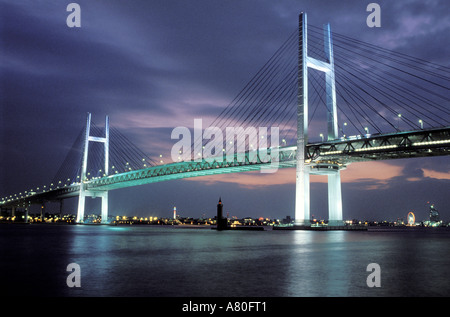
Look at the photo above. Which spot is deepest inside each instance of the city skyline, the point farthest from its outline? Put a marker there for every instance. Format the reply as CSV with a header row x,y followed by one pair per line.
x,y
153,66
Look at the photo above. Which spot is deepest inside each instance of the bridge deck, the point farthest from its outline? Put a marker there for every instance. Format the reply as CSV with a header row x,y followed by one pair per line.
x,y
343,151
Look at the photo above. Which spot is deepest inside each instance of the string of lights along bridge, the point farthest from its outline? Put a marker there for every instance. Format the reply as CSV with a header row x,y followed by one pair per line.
x,y
335,100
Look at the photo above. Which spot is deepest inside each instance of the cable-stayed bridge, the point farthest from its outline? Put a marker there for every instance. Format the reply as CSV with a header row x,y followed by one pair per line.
x,y
336,99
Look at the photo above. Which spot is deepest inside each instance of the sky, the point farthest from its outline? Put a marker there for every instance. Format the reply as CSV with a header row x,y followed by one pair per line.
x,y
158,64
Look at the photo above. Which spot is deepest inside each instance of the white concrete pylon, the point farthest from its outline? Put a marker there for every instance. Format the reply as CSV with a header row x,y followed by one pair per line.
x,y
83,191
302,191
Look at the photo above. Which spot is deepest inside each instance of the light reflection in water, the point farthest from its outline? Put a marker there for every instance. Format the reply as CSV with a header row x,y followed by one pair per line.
x,y
162,261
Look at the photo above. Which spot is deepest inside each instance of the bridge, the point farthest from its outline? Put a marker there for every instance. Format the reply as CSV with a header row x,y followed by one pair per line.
x,y
404,101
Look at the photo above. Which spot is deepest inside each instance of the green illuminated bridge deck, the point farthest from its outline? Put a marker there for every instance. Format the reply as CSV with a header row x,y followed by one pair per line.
x,y
320,156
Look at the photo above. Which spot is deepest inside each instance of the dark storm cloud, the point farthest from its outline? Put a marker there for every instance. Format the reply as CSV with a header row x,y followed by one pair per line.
x,y
85,64
155,65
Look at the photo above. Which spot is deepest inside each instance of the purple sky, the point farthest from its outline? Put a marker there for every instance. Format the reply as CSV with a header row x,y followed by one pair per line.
x,y
155,65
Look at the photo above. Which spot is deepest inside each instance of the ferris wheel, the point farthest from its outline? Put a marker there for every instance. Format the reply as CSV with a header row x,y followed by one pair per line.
x,y
411,218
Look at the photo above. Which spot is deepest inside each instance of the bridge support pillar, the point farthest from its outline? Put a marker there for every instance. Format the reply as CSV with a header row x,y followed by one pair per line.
x,y
42,211
302,196
83,190
81,204
335,199
94,194
304,165
302,169
104,196
61,204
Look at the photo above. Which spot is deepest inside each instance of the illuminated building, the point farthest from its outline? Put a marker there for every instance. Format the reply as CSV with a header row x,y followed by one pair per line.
x,y
434,214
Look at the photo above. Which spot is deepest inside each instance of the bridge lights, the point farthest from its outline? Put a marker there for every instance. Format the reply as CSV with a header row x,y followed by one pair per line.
x,y
342,129
321,135
399,116
421,123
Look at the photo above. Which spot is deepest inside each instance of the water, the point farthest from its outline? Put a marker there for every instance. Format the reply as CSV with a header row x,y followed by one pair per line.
x,y
166,261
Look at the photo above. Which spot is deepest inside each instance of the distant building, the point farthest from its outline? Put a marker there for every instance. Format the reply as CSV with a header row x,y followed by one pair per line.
x,y
434,214
287,220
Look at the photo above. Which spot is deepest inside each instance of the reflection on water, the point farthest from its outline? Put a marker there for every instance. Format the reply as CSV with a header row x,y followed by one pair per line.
x,y
167,261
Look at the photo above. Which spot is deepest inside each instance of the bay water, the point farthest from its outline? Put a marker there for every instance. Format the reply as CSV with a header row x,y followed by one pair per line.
x,y
170,261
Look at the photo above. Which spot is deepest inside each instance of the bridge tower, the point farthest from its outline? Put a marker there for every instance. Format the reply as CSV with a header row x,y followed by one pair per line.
x,y
304,166
84,192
